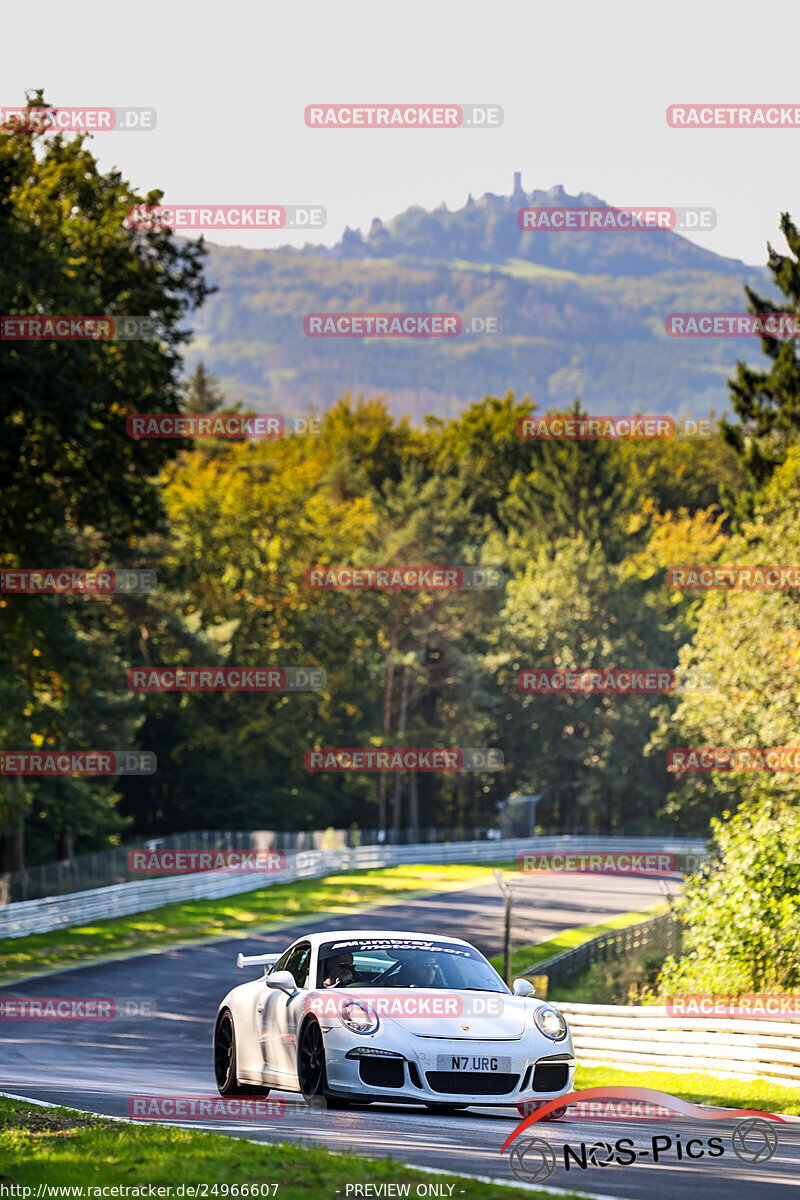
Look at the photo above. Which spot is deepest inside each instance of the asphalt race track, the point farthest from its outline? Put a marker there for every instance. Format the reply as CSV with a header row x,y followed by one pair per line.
x,y
99,1065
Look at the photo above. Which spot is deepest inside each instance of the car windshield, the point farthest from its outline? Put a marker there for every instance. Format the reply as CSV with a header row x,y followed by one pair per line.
x,y
404,963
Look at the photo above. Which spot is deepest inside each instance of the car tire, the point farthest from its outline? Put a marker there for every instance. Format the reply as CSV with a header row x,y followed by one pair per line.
x,y
225,1060
311,1071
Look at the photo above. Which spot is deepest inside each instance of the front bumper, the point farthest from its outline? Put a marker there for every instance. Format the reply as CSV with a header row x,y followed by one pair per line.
x,y
408,1071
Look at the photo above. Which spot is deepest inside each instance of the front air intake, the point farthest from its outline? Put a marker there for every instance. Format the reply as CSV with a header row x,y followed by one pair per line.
x,y
474,1083
381,1072
550,1076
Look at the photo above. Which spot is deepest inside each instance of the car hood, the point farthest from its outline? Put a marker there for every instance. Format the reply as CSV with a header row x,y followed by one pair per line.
x,y
433,1013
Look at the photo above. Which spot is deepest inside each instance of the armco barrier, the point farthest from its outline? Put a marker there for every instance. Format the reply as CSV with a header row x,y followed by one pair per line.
x,y
645,1037
659,934
102,868
122,899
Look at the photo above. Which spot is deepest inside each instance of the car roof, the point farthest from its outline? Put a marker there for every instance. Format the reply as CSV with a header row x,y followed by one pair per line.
x,y
335,935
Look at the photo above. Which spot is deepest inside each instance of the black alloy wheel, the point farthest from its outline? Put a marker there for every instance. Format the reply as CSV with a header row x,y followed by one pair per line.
x,y
311,1068
225,1061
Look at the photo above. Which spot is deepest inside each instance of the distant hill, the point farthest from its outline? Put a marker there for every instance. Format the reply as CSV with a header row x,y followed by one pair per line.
x,y
580,314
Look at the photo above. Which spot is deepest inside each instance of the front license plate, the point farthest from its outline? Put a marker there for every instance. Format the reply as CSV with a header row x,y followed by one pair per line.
x,y
473,1062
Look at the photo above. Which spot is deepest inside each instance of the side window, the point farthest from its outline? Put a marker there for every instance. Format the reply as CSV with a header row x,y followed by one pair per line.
x,y
280,965
297,963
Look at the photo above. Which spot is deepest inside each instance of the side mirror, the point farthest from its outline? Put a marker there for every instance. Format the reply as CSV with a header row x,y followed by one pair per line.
x,y
521,987
283,981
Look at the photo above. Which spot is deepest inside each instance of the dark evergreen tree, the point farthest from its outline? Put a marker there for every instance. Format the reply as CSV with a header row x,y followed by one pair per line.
x,y
767,402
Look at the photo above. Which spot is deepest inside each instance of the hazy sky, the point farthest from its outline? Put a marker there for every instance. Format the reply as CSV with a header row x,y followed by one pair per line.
x,y
584,88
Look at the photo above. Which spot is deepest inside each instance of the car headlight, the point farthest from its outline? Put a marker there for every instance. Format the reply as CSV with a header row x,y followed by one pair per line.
x,y
551,1023
358,1017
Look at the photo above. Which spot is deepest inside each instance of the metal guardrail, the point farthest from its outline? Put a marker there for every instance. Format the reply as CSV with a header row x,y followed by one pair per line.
x,y
101,868
122,899
661,933
647,1037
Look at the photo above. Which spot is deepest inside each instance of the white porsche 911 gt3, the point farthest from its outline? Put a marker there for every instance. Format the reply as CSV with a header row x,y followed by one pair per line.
x,y
366,1015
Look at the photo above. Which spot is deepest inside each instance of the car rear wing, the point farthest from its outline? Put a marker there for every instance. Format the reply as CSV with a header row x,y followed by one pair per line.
x,y
257,960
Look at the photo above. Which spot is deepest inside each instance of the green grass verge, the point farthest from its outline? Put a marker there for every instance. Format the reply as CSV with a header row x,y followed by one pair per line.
x,y
233,916
526,957
57,1146
698,1088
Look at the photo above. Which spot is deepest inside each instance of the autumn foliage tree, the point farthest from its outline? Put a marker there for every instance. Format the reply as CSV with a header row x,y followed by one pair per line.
x,y
75,490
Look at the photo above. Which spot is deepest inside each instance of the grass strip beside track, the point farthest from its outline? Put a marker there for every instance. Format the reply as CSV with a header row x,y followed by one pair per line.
x,y
241,915
698,1088
526,957
59,1147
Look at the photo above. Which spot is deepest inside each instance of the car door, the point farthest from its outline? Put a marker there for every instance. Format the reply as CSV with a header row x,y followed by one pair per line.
x,y
280,1017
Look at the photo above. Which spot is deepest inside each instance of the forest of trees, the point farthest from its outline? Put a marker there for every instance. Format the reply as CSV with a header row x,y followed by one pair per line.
x,y
583,531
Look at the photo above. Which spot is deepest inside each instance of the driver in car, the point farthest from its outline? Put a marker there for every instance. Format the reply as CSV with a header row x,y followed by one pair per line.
x,y
420,972
340,972
427,972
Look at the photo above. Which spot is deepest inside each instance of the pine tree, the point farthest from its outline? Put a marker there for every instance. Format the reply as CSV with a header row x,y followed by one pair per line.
x,y
767,402
203,394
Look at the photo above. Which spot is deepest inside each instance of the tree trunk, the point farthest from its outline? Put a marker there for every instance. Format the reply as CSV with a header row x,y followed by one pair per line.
x,y
387,721
413,805
14,847
65,848
401,729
